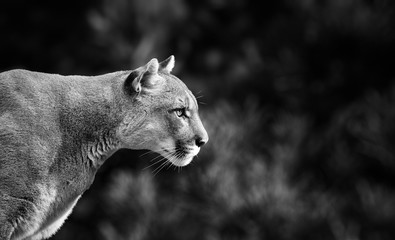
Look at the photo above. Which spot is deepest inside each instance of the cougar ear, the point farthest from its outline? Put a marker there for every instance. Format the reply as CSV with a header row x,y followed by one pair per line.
x,y
143,76
152,66
168,64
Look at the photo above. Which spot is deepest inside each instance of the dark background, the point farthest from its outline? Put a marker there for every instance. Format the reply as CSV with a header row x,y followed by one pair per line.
x,y
297,96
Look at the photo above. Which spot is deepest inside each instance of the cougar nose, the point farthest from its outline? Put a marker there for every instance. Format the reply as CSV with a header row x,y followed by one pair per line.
x,y
200,141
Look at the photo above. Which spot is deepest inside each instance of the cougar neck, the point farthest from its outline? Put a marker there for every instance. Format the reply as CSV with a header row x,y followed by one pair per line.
x,y
100,149
90,115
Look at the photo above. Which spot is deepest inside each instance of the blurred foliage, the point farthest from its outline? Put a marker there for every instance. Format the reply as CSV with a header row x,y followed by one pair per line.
x,y
297,96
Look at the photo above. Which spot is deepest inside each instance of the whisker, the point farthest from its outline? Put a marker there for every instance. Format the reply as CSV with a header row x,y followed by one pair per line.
x,y
162,157
162,152
177,167
151,165
178,160
146,153
175,158
158,169
162,165
167,157
155,158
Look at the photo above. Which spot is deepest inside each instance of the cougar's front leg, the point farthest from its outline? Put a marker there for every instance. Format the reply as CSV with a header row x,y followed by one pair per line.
x,y
13,215
6,228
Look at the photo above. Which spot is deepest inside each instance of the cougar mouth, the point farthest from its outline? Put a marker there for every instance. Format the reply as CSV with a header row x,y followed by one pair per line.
x,y
184,155
181,155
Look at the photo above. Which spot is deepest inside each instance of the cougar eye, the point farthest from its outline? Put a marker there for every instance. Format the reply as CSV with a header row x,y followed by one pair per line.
x,y
180,112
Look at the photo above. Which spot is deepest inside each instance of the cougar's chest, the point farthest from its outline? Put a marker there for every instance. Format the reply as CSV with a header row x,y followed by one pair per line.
x,y
55,218
50,209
